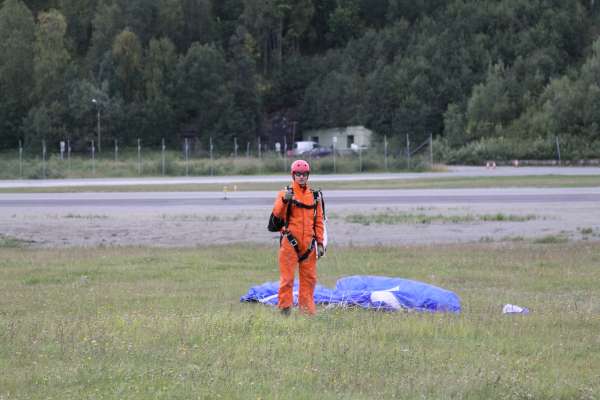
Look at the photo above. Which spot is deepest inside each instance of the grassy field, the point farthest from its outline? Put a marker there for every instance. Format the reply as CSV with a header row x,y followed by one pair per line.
x,y
141,323
424,183
151,164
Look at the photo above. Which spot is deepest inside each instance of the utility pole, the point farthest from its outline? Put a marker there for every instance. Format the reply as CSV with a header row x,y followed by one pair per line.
x,y
98,122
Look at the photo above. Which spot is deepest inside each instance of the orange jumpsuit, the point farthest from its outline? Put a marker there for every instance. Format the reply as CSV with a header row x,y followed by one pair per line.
x,y
303,227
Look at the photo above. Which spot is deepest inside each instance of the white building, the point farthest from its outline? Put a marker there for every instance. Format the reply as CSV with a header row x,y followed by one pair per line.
x,y
351,137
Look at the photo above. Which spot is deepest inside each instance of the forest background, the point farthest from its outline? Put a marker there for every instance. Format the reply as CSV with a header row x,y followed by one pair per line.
x,y
507,75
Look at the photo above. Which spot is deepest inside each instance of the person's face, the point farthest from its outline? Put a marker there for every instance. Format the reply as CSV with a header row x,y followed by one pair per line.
x,y
301,178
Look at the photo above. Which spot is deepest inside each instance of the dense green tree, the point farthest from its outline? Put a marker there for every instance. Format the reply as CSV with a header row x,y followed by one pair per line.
x,y
345,23
82,112
494,104
159,68
17,30
412,10
79,15
315,39
200,25
468,69
336,100
265,20
455,126
141,17
159,75
107,23
244,119
127,55
570,104
299,18
51,56
44,123
227,14
171,20
278,26
204,98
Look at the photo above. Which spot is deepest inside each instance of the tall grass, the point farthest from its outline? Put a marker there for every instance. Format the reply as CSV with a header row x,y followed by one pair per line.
x,y
151,164
139,323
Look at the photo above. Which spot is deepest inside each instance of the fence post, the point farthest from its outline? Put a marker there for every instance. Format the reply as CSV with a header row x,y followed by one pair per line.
x,y
211,155
334,140
430,150
407,152
93,158
116,150
558,150
162,158
259,156
284,153
235,147
20,160
259,149
360,158
385,151
44,159
187,157
139,149
69,154
247,149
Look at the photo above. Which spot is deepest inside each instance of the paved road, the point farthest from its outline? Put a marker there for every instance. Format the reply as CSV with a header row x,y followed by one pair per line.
x,y
265,198
453,172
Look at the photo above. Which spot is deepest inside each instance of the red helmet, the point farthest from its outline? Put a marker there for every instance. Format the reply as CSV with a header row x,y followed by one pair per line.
x,y
300,166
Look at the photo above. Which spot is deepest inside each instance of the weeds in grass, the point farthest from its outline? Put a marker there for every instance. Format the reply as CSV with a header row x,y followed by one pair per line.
x,y
513,239
9,242
499,217
86,216
551,239
589,231
393,218
205,218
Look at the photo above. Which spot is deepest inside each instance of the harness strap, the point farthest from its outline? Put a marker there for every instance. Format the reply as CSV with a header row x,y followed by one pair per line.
x,y
294,243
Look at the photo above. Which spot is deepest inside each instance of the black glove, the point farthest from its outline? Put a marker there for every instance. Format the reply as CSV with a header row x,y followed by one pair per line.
x,y
288,195
320,250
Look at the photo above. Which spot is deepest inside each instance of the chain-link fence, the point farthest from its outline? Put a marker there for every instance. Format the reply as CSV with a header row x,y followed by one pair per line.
x,y
194,157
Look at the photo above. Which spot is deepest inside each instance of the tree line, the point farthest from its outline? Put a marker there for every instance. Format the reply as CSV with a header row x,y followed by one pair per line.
x,y
462,70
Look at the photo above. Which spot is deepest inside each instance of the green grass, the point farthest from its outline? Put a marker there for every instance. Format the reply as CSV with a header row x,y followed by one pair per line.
x,y
11,242
424,183
140,323
151,164
395,218
550,239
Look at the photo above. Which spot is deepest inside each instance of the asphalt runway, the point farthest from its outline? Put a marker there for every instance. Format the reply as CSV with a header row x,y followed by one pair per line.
x,y
265,198
452,172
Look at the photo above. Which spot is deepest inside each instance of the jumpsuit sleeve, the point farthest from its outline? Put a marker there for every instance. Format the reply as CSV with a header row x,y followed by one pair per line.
x,y
279,207
319,226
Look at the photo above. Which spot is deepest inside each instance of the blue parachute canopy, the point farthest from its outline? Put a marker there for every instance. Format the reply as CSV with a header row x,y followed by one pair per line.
x,y
373,292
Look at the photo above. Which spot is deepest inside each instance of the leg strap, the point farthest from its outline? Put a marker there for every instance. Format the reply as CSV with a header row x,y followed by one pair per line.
x,y
294,243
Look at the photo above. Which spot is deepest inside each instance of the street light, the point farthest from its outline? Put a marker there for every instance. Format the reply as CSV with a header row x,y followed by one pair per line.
x,y
98,118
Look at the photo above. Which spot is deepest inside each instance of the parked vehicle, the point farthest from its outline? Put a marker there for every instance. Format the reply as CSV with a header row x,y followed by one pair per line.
x,y
356,148
319,152
302,147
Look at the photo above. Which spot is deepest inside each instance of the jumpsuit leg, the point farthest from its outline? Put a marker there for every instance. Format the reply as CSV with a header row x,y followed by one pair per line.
x,y
287,265
308,281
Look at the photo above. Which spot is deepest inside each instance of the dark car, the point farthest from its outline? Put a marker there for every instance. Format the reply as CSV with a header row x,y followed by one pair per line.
x,y
319,152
